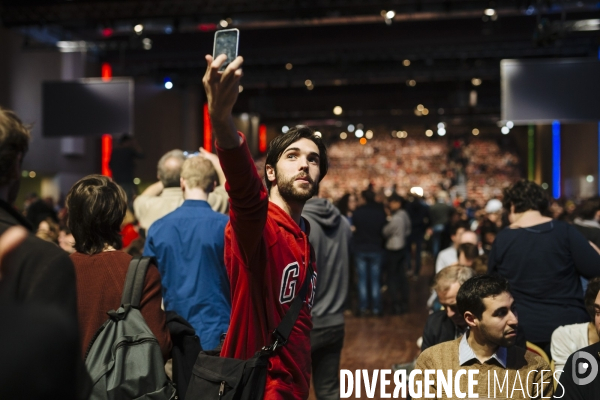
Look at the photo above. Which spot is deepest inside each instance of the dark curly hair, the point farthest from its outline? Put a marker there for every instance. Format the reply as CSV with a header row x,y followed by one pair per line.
x,y
524,196
590,296
471,293
96,207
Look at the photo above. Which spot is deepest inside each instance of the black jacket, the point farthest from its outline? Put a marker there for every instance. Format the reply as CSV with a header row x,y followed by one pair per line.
x,y
438,329
37,271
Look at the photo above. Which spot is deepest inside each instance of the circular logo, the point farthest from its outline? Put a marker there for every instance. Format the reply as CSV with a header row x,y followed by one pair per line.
x,y
583,367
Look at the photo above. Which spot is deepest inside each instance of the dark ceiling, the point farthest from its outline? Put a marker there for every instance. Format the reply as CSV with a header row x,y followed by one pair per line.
x,y
352,55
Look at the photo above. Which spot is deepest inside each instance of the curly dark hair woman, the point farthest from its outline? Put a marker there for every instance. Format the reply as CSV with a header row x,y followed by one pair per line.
x,y
96,207
543,259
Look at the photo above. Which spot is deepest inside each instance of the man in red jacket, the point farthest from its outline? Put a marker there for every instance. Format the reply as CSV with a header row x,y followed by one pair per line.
x,y
267,252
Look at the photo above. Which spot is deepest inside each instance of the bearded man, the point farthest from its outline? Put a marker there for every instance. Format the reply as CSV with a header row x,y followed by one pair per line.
x,y
267,252
489,311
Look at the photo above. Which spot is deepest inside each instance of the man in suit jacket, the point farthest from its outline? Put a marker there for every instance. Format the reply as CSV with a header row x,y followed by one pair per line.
x,y
447,324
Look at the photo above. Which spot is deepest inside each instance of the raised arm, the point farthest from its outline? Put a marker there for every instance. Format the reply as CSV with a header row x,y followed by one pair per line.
x,y
247,195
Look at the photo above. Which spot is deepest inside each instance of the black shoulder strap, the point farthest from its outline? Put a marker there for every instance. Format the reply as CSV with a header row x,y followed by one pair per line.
x,y
134,282
283,330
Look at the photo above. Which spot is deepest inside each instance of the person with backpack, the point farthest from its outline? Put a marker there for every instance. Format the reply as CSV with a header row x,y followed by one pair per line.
x,y
96,207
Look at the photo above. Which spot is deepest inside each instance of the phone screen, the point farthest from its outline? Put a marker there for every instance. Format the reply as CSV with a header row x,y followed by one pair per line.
x,y
226,42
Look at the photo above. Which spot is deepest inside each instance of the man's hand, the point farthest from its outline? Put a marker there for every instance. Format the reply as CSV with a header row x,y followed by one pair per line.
x,y
222,89
214,159
9,240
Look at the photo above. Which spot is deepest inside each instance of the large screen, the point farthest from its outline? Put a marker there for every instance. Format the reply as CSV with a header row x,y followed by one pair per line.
x,y
87,107
540,91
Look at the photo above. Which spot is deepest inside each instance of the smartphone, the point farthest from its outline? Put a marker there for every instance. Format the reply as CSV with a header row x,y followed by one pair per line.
x,y
226,42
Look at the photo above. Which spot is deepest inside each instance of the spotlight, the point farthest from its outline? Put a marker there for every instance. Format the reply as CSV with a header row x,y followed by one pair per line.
x,y
420,107
441,125
363,141
441,132
406,63
168,83
136,181
308,82
475,131
32,174
411,83
318,134
350,128
505,130
510,124
138,28
223,23
285,129
359,133
390,14
289,66
147,44
369,134
343,135
475,81
429,133
490,12
337,110
425,111
589,178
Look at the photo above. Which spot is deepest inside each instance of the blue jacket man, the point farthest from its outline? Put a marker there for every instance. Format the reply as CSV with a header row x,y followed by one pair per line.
x,y
189,245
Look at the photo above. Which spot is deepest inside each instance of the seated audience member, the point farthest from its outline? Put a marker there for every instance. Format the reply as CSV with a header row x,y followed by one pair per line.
x,y
447,324
396,233
588,220
567,339
448,256
38,297
165,196
467,253
189,248
96,208
543,259
486,304
575,382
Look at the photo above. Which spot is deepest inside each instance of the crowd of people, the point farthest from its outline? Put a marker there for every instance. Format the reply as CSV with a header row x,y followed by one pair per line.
x,y
271,267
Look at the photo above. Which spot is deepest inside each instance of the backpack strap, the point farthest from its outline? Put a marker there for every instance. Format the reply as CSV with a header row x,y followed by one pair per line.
x,y
134,282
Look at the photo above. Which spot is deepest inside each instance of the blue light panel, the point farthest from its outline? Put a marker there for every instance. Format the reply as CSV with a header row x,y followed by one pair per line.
x,y
556,159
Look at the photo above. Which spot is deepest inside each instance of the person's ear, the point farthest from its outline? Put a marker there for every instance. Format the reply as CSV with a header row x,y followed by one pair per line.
x,y
471,319
182,184
270,173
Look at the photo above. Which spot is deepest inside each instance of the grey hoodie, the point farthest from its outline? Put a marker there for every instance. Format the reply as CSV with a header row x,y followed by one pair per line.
x,y
330,236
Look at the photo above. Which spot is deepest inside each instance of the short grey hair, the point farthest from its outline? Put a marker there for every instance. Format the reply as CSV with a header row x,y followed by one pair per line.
x,y
449,275
170,176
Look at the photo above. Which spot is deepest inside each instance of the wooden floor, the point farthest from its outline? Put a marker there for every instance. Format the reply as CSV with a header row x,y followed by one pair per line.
x,y
378,342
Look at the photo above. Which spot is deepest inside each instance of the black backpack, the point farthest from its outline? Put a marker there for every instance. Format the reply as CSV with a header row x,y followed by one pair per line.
x,y
124,358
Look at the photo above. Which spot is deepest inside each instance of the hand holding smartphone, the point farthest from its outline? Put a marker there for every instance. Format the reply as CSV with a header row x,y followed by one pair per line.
x,y
226,42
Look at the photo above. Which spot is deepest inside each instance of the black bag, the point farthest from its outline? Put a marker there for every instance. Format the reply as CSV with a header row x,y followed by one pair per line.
x,y
215,377
124,358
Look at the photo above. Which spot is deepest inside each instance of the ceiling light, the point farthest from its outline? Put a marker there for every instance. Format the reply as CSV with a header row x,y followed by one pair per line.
x,y
510,124
411,83
441,132
505,130
363,141
289,66
223,23
350,128
343,135
32,174
137,181
429,133
489,12
369,134
147,43
285,129
420,107
138,28
475,81
359,133
589,178
168,83
390,14
337,110
425,111
475,131
406,63
441,125
308,82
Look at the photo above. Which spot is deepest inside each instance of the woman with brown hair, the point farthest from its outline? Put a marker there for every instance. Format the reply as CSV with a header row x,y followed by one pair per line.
x,y
96,207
